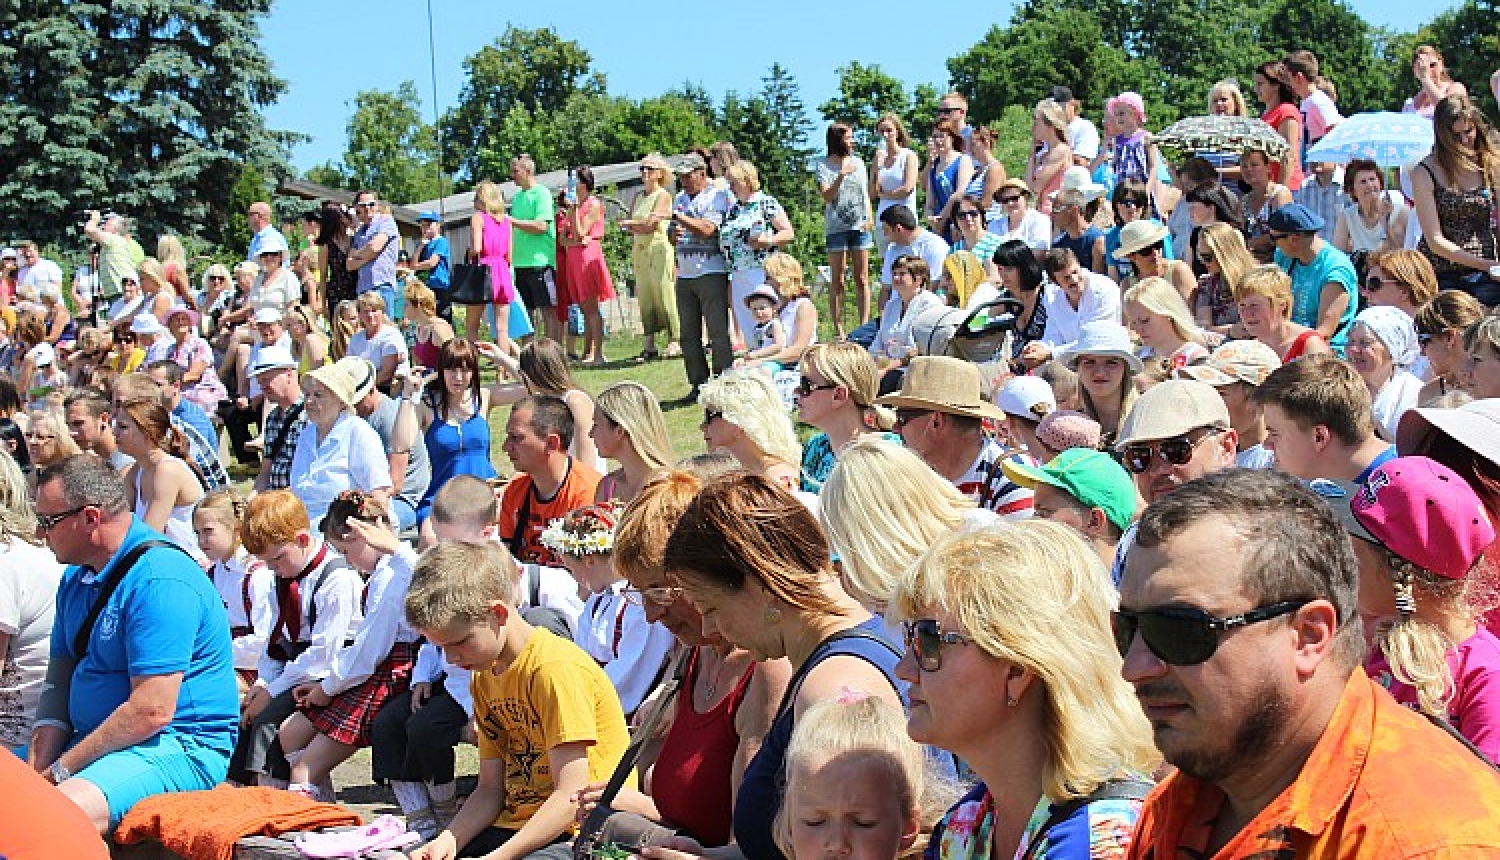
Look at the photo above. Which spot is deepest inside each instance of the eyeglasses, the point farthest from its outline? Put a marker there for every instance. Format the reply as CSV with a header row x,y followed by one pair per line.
x,y
644,169
806,388
1375,285
1009,198
1184,636
925,640
906,416
661,596
1129,204
709,417
217,278
1277,237
968,213
1205,257
947,110
1149,251
47,522
1177,451
365,204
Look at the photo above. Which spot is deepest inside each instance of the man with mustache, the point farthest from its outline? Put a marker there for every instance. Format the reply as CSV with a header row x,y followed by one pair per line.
x,y
1238,627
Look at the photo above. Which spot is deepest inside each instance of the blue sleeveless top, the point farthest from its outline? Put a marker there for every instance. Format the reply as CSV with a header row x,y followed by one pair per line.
x,y
461,449
759,797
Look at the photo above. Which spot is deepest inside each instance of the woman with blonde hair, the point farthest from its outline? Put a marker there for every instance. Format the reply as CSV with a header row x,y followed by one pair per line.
x,y
1107,367
837,396
882,507
1440,334
1226,99
1014,670
164,483
343,322
158,292
796,312
629,429
489,244
1433,82
1157,314
1051,153
29,575
744,415
309,345
1225,259
652,256
216,292
47,439
1264,299
1400,279
174,264
755,227
1482,368
429,331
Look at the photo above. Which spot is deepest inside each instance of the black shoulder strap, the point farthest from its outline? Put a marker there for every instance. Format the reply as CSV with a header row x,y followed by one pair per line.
x,y
517,541
317,583
1448,728
292,414
645,731
534,593
794,686
1115,789
107,590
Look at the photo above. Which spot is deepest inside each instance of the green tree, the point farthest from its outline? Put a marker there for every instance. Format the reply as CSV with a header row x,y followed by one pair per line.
x,y
390,148
1344,44
866,93
522,78
150,107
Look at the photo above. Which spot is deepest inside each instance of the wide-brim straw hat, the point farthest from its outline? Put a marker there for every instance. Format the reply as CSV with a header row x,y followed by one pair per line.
x,y
942,384
1138,235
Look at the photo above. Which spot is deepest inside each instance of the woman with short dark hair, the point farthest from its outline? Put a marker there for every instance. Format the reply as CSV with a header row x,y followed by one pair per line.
x,y
1375,220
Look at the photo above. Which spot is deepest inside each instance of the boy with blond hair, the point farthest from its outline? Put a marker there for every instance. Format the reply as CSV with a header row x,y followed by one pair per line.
x,y
549,720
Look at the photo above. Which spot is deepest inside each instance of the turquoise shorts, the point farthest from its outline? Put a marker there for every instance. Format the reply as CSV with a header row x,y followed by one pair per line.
x,y
167,762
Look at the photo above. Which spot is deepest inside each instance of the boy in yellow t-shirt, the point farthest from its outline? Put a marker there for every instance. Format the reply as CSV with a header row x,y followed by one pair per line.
x,y
549,720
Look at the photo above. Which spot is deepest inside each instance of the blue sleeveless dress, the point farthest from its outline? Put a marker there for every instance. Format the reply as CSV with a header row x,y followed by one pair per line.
x,y
455,449
760,792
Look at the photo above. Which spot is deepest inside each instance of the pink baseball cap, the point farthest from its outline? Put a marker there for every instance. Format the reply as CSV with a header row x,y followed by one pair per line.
x,y
1424,512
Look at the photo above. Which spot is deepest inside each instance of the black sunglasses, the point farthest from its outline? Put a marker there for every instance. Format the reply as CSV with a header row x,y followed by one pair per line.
x,y
1183,636
906,416
48,522
805,388
1423,338
1010,198
925,640
1375,285
968,213
709,417
1177,451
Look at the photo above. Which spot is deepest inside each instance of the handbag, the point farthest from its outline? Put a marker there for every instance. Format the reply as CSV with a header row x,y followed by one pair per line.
x,y
470,284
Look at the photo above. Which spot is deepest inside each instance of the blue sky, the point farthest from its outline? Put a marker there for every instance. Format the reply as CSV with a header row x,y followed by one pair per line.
x,y
328,50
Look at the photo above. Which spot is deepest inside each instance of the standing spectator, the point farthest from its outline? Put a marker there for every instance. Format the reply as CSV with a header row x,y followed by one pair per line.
x,y
847,219
953,109
1050,153
434,258
148,706
1136,157
490,242
1226,99
580,237
1325,295
948,173
652,257
896,169
702,273
1083,136
174,265
533,222
1376,219
1264,197
1273,87
379,341
755,226
1433,82
28,587
335,232
1319,114
276,371
1085,490
1323,193
261,230
117,252
37,272
1453,189
373,250
989,173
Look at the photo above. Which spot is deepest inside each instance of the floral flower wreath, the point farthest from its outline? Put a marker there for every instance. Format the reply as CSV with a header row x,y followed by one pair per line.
x,y
584,531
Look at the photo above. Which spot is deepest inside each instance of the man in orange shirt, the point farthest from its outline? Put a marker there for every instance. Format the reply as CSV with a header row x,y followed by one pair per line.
x,y
1239,631
537,438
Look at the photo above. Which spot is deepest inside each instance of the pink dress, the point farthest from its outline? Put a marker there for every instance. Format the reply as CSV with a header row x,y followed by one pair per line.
x,y
496,255
588,274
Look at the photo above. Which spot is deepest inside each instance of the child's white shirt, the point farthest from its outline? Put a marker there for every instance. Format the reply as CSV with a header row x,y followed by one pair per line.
x,y
338,616
617,635
384,623
243,575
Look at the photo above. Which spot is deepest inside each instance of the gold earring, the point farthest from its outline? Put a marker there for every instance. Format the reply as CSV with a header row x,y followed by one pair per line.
x,y
1012,701
773,615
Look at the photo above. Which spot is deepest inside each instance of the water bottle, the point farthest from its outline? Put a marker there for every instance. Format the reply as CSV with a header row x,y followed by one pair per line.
x,y
571,194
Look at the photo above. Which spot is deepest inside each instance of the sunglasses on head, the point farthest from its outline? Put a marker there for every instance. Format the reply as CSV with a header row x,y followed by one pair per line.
x,y
1183,636
1177,451
925,640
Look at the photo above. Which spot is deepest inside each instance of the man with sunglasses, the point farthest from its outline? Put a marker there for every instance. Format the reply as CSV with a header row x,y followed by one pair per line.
x,y
149,706
261,231
373,250
1239,630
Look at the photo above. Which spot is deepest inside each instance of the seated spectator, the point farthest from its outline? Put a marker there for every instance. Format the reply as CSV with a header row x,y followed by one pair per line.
x,y
276,372
549,482
200,383
1264,299
1158,316
940,414
336,451
1144,245
1225,261
904,238
47,439
1056,732
1382,347
186,419
164,486
160,647
1400,279
248,407
1440,332
541,368
1085,490
395,421
1482,369
1073,212
1106,364
1319,421
1325,295
1131,202
795,314
309,344
38,822
1236,370
1078,297
911,295
1375,219
87,413
378,341
630,429
744,415
1021,278
244,583
1013,218
29,575
1179,430
1065,430
837,397
551,721
1337,748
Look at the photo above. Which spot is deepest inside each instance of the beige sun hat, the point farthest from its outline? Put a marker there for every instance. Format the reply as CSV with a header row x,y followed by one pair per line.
x,y
943,384
1137,235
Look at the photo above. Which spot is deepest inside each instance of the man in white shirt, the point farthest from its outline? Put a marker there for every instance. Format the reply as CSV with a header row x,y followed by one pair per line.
x,y
907,238
1083,136
259,216
1077,296
1319,114
36,272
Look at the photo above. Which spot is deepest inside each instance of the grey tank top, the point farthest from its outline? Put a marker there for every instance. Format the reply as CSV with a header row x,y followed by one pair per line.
x,y
418,472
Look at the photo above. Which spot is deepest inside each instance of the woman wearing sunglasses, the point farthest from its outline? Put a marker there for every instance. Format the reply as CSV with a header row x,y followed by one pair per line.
x,y
1399,279
744,415
754,563
1012,669
837,396
1440,334
1225,260
1382,346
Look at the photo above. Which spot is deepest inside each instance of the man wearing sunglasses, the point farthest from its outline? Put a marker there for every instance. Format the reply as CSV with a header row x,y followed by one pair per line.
x,y
373,250
1239,630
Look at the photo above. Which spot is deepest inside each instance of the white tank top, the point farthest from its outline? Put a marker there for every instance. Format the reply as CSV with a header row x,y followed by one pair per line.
x,y
890,178
179,527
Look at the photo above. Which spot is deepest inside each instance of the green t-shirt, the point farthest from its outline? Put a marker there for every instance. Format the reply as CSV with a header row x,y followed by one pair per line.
x,y
533,250
116,257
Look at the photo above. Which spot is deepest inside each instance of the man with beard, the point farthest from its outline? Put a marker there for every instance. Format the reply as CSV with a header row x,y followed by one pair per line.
x,y
1177,431
1238,628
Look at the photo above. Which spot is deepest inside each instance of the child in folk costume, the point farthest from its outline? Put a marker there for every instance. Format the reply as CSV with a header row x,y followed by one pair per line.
x,y
317,612
338,712
246,585
611,629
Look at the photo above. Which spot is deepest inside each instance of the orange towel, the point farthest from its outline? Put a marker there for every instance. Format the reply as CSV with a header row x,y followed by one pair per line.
x,y
203,825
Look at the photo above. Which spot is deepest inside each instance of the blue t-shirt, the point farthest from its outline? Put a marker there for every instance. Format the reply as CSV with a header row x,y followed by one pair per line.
x,y
1381,459
165,617
193,415
1083,247
437,278
1329,266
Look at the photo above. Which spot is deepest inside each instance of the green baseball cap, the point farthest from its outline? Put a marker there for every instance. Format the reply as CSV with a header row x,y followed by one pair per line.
x,y
1092,477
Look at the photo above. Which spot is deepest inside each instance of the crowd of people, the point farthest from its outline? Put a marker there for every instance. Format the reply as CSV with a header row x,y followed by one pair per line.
x,y
1159,528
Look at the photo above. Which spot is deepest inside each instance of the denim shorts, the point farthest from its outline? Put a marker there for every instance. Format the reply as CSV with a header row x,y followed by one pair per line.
x,y
850,240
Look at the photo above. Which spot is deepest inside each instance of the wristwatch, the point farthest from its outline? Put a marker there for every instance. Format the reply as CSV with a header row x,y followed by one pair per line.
x,y
60,773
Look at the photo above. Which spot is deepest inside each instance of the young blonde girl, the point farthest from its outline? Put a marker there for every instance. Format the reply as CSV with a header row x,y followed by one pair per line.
x,y
1157,314
246,585
337,713
611,629
343,325
855,779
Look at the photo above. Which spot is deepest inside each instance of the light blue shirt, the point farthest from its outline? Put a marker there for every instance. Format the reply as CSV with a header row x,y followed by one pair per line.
x,y
382,269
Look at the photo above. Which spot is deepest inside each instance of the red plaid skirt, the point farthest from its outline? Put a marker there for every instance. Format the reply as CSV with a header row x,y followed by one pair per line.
x,y
350,716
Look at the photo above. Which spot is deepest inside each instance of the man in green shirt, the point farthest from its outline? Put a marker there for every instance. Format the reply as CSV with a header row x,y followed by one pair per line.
x,y
533,250
118,252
